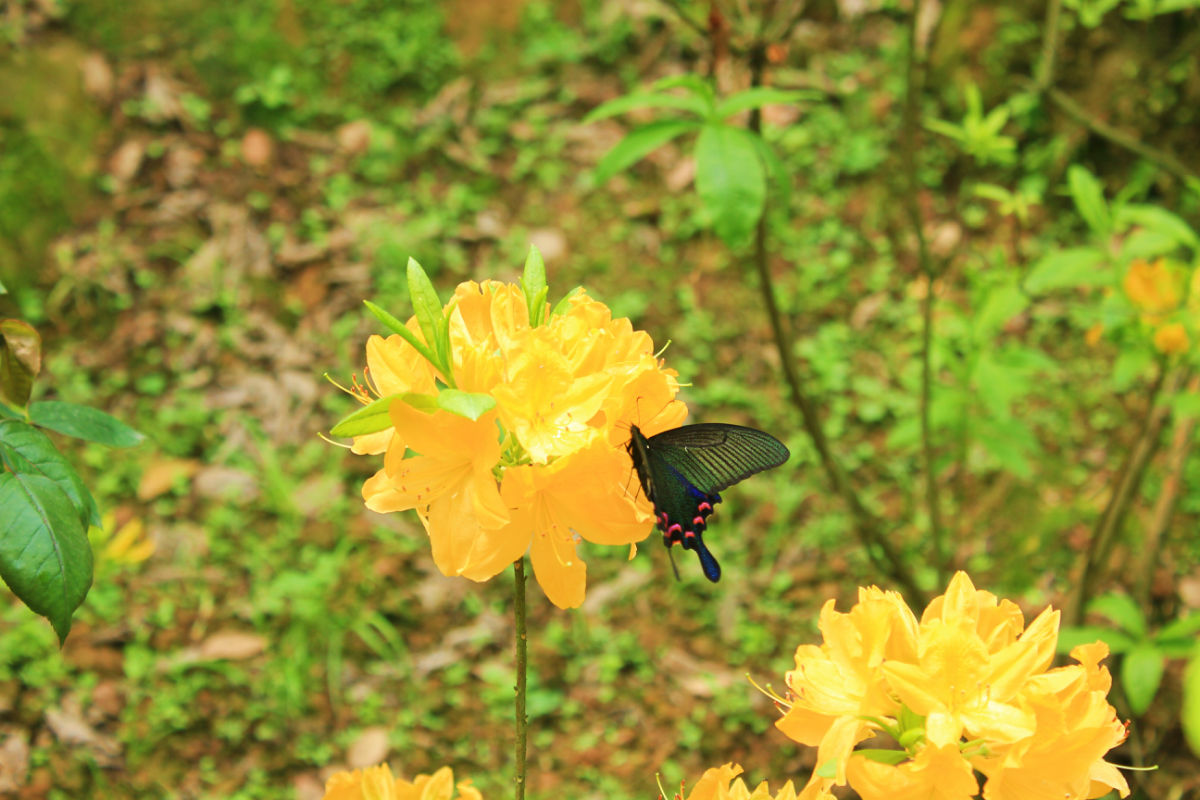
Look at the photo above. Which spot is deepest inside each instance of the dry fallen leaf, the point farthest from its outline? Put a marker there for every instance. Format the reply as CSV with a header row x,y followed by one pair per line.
x,y
369,748
161,474
232,645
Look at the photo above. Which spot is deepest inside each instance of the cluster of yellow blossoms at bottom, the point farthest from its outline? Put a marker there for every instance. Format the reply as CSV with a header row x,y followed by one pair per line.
x,y
377,783
965,689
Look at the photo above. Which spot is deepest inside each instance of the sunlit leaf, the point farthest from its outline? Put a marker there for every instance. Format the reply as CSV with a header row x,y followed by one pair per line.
x,y
1189,714
20,360
1088,195
84,422
630,102
465,404
1141,674
25,449
1071,268
760,96
730,180
1121,609
638,143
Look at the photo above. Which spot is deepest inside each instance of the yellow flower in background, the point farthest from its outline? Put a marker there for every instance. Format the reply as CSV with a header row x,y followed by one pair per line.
x,y
377,783
508,427
126,545
1152,287
722,783
967,688
1171,339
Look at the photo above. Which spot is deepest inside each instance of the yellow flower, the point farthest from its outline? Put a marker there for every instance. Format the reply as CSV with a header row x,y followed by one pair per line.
x,y
937,773
836,685
125,545
377,783
722,783
1153,288
1064,758
967,687
1171,339
1094,334
547,466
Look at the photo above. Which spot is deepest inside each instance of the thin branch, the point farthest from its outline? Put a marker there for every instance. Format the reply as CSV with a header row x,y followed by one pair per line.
x,y
880,549
1129,480
1164,507
908,154
1045,67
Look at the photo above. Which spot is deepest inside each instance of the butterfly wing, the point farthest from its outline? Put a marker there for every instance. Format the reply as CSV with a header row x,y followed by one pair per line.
x,y
714,456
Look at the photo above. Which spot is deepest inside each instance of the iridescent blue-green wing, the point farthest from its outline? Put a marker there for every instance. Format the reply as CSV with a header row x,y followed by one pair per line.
x,y
714,456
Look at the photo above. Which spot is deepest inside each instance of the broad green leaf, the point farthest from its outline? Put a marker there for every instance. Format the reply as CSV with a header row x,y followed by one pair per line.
x,y
730,180
25,449
1141,674
1161,221
1147,245
1070,268
1071,637
370,418
396,326
83,422
760,96
1010,443
775,169
1189,715
533,284
45,557
465,404
1121,609
20,360
1088,195
701,87
638,143
1130,366
1002,304
630,102
563,305
428,309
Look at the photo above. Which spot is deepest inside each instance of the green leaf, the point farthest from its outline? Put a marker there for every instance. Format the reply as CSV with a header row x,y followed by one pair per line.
x,y
630,102
533,284
1121,609
1088,195
20,360
1071,268
1189,715
1001,304
730,181
828,769
1141,674
760,96
1182,628
3,289
1131,365
83,422
775,169
562,305
698,86
368,419
465,404
25,449
1160,221
892,757
398,327
45,557
428,309
1146,244
1071,637
638,143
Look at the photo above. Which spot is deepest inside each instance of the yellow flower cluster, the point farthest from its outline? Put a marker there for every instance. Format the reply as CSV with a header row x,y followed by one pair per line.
x,y
966,688
377,783
544,465
1156,290
722,783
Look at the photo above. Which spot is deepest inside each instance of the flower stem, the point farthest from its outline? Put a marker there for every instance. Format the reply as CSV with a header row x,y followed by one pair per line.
x,y
522,663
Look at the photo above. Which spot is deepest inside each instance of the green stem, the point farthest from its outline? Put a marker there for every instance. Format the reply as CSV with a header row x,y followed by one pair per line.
x,y
522,668
908,149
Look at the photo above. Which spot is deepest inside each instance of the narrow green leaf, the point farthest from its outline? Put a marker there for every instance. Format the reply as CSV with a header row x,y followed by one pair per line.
x,y
1141,674
3,288
1069,269
1001,304
25,449
20,360
1088,195
533,284
1161,221
398,327
775,169
562,305
465,404
761,96
1189,714
1121,609
882,756
631,102
638,143
1072,636
45,557
701,87
83,422
730,181
1182,628
370,418
428,308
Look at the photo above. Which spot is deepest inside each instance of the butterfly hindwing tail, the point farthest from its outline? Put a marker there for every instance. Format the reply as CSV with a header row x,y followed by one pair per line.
x,y
708,562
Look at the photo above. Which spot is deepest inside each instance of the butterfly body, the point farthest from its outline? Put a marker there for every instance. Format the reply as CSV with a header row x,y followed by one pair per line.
x,y
682,471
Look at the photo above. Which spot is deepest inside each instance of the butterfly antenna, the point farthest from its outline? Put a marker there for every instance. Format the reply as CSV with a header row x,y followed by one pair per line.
x,y
671,555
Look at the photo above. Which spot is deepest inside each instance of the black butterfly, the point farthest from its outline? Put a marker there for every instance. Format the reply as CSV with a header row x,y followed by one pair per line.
x,y
681,471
